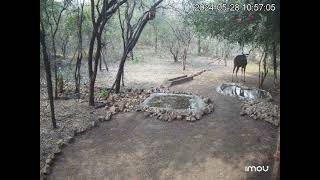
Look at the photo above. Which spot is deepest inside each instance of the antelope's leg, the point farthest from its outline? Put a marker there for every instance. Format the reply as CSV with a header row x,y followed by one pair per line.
x,y
233,73
241,74
244,71
237,73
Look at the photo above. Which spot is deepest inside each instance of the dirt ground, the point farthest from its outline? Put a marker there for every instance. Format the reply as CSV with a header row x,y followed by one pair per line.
x,y
218,146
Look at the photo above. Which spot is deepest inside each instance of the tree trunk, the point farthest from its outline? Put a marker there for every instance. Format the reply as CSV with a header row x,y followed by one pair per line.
x,y
156,40
104,61
79,56
225,54
225,61
77,76
53,35
63,51
175,58
64,48
122,77
129,41
100,64
93,72
175,54
90,59
55,68
184,59
119,74
274,53
265,71
107,9
199,44
48,77
259,80
91,93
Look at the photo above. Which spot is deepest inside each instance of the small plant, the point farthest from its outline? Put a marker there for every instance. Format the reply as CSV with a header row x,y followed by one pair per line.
x,y
103,93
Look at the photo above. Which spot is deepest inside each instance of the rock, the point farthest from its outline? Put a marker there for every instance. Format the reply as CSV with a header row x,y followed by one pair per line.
x,y
263,116
206,110
121,106
193,118
46,169
93,124
69,139
179,117
113,109
173,116
211,107
206,100
255,117
82,101
51,156
242,113
60,143
108,117
198,116
115,97
188,118
57,151
165,117
81,130
49,161
146,114
42,176
100,118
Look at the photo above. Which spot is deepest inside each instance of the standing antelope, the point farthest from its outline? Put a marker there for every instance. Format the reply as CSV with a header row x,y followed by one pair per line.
x,y
240,61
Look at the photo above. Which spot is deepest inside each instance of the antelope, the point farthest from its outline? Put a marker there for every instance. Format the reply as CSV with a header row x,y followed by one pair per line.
x,y
240,61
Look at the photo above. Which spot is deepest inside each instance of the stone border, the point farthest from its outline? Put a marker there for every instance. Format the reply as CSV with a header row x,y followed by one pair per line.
x,y
118,105
262,110
46,170
170,115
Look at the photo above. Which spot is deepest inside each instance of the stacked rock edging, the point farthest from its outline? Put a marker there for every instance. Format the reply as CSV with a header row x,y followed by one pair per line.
x,y
173,114
264,110
127,101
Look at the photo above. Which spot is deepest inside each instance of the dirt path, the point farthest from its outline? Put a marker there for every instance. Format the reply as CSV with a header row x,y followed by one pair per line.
x,y
219,146
132,147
